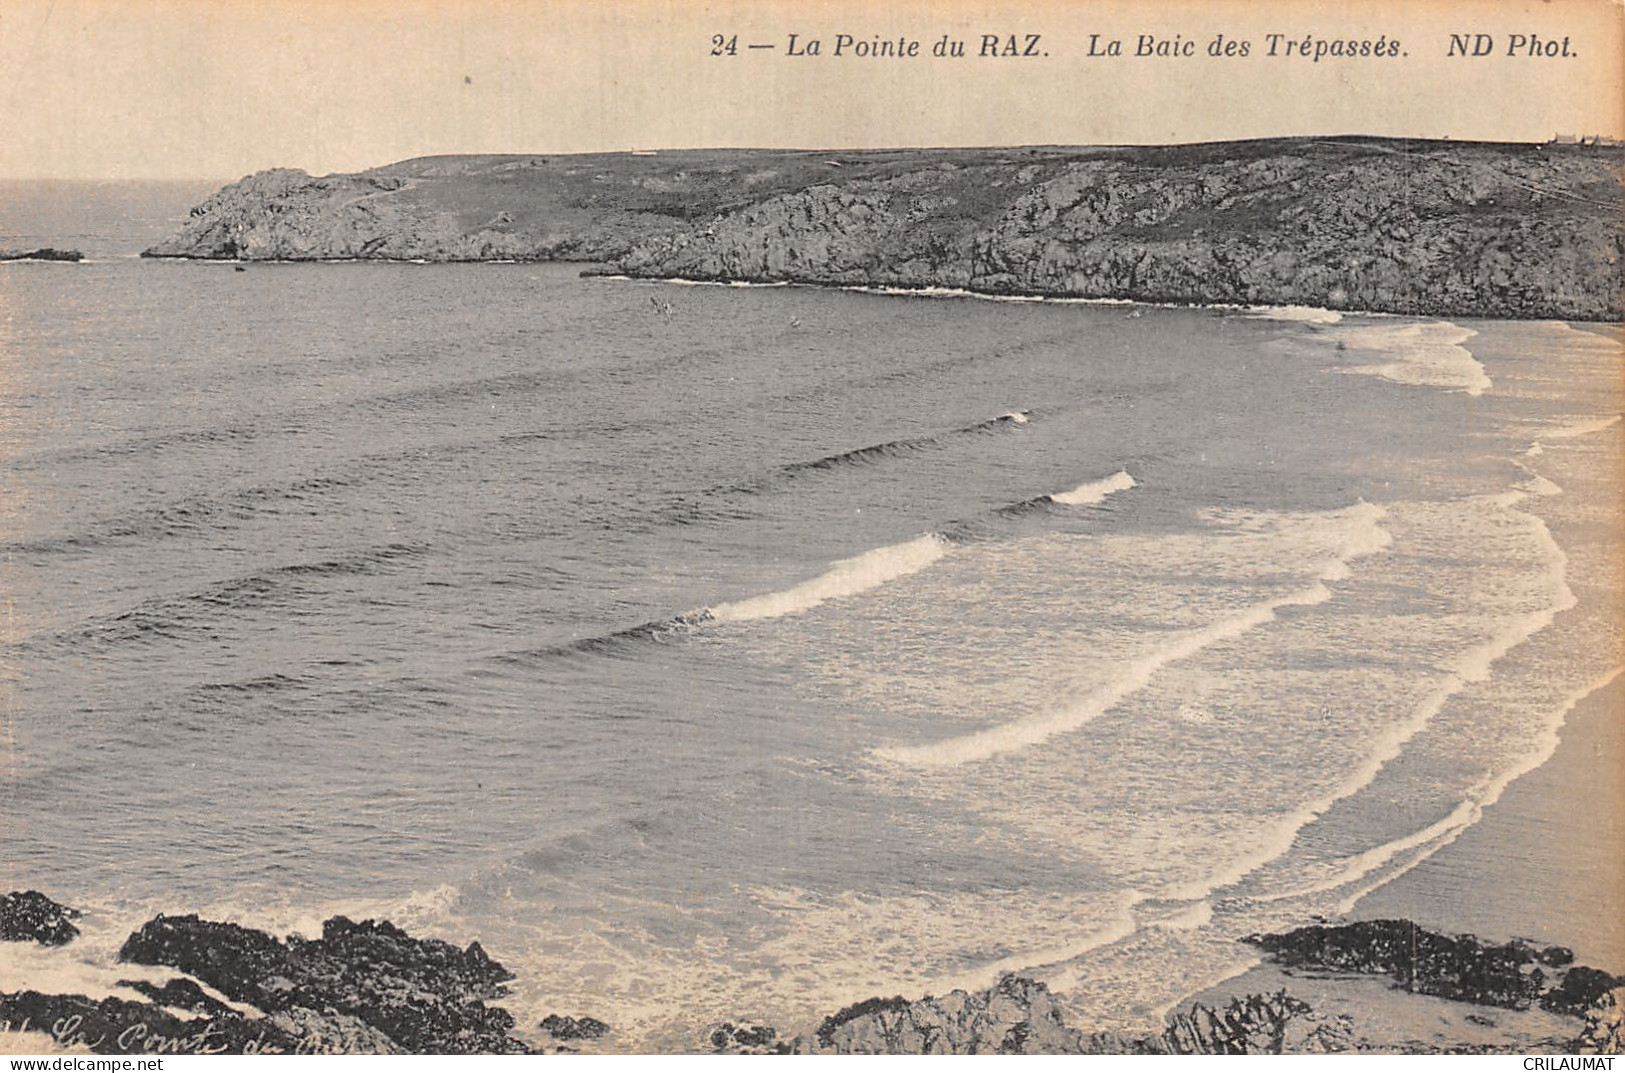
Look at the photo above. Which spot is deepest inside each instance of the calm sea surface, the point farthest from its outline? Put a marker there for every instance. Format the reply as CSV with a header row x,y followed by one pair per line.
x,y
742,652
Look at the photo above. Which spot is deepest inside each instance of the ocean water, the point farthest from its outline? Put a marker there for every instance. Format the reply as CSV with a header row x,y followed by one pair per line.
x,y
719,652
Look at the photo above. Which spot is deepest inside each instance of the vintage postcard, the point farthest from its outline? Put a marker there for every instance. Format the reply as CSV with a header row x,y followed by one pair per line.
x,y
902,527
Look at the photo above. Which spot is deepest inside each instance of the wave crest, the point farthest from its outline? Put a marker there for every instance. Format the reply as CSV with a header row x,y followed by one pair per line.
x,y
844,578
1092,492
1363,535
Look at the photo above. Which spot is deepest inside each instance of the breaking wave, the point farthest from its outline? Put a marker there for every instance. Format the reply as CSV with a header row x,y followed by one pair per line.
x,y
1474,665
1093,492
1364,535
1301,314
845,578
1429,354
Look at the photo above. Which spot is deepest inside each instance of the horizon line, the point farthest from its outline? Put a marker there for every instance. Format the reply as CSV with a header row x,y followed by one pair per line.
x,y
1561,138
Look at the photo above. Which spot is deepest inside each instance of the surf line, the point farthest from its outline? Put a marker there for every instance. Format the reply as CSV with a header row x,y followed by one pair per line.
x,y
1469,812
872,569
845,577
1366,537
1475,665
1426,354
1429,840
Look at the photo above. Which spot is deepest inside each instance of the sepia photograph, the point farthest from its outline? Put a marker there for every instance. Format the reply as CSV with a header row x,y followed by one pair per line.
x,y
543,527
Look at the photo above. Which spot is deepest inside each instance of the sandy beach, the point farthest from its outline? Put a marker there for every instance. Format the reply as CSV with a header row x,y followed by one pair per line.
x,y
1545,851
1548,850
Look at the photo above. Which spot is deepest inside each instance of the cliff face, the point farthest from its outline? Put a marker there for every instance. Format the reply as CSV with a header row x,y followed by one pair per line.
x,y
1442,228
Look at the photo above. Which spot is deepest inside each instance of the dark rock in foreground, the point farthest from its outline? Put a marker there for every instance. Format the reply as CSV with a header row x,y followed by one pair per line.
x,y
423,995
30,916
1433,228
1014,1016
746,1037
1579,989
370,988
44,253
1604,1032
1257,1024
1020,1016
117,1026
367,988
565,1029
1514,975
181,994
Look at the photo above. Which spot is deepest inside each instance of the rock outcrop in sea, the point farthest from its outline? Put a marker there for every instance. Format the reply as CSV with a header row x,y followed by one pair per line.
x,y
1514,975
29,916
424,995
362,988
42,253
745,1037
569,1029
1403,226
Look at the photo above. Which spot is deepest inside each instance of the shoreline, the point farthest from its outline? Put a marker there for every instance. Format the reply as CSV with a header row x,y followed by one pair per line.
x,y
1566,845
1461,889
182,984
885,290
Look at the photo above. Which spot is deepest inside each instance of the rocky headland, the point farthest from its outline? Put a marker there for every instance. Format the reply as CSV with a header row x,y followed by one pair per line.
x,y
1403,226
370,988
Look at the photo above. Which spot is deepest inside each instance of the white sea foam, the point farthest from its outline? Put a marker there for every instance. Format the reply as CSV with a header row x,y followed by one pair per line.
x,y
1540,486
924,942
1092,492
1536,485
1190,918
1302,314
1035,962
89,965
679,281
844,578
1435,836
1363,534
419,911
1473,666
936,292
1580,340
1484,795
1428,354
1352,869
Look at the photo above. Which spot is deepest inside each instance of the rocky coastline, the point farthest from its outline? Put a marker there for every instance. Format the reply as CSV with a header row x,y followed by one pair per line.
x,y
1435,228
370,988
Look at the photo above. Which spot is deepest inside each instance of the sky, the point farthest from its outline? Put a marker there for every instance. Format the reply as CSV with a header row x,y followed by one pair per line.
x,y
108,89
